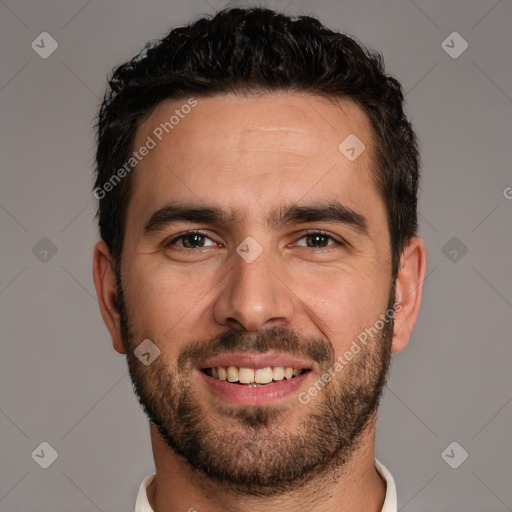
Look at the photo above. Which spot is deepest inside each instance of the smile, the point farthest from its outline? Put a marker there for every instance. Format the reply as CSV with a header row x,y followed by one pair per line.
x,y
253,377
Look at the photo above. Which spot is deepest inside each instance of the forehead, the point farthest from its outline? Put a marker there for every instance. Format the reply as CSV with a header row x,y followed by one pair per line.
x,y
233,150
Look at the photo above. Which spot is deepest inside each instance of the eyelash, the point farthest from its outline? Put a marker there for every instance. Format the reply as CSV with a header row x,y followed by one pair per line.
x,y
303,235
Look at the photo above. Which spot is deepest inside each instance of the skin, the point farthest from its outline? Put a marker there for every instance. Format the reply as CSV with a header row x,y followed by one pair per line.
x,y
252,155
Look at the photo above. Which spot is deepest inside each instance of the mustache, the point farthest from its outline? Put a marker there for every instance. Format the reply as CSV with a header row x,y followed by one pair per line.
x,y
276,339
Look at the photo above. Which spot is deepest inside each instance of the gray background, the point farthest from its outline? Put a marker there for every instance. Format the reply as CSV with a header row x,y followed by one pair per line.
x,y
61,381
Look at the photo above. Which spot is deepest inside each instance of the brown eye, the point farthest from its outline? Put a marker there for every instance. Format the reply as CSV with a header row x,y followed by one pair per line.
x,y
318,240
192,240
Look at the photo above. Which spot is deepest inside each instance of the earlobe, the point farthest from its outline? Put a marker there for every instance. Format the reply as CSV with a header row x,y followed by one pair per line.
x,y
408,291
106,291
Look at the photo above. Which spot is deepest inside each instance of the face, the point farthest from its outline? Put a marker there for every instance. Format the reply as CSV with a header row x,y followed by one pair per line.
x,y
255,249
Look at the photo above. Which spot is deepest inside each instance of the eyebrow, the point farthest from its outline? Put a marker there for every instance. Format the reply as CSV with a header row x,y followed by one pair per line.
x,y
286,215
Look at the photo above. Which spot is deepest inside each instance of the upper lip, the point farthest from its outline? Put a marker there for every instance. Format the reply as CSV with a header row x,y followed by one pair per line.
x,y
255,360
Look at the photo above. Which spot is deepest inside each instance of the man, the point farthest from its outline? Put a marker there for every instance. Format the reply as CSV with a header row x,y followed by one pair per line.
x,y
259,263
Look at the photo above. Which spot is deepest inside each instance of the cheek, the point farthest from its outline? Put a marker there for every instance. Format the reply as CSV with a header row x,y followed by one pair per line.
x,y
343,304
163,302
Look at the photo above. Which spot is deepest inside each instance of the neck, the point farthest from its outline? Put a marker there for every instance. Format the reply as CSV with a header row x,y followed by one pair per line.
x,y
356,486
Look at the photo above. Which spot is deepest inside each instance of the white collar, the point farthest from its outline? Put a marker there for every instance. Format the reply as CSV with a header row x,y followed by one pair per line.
x,y
390,502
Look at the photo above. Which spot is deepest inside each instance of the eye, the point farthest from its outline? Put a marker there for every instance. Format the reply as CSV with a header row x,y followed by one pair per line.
x,y
191,240
318,240
198,240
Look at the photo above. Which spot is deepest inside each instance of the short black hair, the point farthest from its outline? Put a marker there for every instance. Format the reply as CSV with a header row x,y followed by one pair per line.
x,y
254,50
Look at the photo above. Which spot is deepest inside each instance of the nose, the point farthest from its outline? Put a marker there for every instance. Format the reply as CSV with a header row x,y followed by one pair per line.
x,y
254,297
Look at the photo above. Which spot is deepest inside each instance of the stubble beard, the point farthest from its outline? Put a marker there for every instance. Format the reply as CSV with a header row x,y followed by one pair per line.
x,y
248,449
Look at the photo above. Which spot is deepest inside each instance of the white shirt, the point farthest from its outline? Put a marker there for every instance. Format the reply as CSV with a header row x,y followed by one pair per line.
x,y
390,502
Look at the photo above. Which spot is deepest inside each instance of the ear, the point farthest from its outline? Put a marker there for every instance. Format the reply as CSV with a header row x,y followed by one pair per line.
x,y
106,290
408,291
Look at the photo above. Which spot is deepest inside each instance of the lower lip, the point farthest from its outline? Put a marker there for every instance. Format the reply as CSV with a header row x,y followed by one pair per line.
x,y
261,395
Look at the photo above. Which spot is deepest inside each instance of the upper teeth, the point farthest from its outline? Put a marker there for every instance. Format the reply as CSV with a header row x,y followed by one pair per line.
x,y
258,376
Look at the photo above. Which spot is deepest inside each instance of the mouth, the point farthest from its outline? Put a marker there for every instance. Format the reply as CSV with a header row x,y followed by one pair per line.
x,y
254,377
